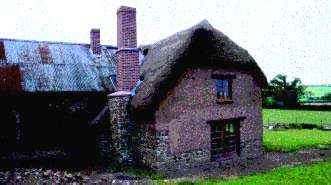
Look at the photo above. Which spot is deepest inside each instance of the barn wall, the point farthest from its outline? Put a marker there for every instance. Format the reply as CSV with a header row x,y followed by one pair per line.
x,y
10,78
52,121
183,115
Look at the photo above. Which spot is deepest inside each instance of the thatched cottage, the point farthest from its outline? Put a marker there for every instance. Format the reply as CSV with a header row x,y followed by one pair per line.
x,y
191,99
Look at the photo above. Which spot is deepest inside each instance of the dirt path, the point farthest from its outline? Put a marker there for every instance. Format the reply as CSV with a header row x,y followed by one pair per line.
x,y
269,161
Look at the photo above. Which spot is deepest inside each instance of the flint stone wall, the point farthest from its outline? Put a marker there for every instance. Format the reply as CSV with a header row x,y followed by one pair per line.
x,y
121,127
153,150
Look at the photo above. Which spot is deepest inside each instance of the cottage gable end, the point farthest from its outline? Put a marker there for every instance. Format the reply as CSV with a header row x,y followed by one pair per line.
x,y
193,102
200,46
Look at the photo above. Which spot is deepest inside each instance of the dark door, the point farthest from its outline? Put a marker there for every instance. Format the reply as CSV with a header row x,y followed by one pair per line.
x,y
225,140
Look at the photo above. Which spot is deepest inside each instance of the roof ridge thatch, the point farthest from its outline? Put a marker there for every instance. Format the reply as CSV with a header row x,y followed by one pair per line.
x,y
167,59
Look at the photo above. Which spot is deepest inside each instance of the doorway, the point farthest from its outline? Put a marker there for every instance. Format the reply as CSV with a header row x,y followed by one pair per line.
x,y
225,139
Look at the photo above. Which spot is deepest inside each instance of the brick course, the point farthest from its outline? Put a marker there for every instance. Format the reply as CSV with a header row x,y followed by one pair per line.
x,y
127,54
95,41
126,27
127,69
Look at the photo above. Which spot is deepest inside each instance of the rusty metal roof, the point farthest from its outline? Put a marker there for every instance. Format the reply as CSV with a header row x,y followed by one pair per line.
x,y
70,66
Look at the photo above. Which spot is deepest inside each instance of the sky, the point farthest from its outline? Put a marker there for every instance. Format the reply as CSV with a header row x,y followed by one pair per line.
x,y
291,37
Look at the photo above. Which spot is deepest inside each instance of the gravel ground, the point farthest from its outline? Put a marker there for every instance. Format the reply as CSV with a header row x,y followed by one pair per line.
x,y
269,161
46,176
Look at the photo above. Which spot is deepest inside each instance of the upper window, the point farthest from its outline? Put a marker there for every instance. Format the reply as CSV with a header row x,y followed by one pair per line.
x,y
223,90
223,87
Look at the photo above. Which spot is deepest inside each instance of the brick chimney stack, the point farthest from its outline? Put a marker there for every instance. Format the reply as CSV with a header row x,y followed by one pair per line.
x,y
127,53
95,41
2,50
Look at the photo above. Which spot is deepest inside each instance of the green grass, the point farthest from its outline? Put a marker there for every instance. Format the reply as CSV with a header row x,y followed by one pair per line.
x,y
296,116
318,91
319,173
291,140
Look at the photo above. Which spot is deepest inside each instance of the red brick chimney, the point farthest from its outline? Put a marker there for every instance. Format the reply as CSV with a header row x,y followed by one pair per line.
x,y
127,53
44,53
95,41
2,51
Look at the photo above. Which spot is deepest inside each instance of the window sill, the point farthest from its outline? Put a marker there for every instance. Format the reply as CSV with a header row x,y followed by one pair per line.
x,y
224,102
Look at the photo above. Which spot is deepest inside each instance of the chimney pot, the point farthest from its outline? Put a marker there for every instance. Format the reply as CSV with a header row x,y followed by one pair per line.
x,y
95,41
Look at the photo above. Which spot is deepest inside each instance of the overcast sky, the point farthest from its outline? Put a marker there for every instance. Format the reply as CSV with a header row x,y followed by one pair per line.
x,y
292,37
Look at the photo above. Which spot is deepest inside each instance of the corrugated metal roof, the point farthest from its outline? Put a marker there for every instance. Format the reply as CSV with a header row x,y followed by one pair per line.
x,y
71,67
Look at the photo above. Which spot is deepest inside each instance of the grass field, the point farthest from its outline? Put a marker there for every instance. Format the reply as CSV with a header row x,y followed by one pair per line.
x,y
296,116
318,91
319,173
291,140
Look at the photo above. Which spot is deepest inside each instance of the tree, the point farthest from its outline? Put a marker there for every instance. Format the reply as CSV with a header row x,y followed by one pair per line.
x,y
327,97
284,92
308,95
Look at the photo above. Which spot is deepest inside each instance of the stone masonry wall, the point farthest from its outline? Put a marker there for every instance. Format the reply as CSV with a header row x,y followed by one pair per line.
x,y
154,152
146,143
121,127
165,160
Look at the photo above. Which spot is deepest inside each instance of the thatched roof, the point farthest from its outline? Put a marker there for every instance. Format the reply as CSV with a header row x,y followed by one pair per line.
x,y
199,46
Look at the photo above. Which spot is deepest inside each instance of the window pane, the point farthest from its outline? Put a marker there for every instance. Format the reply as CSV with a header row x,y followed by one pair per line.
x,y
226,88
223,89
219,88
229,128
